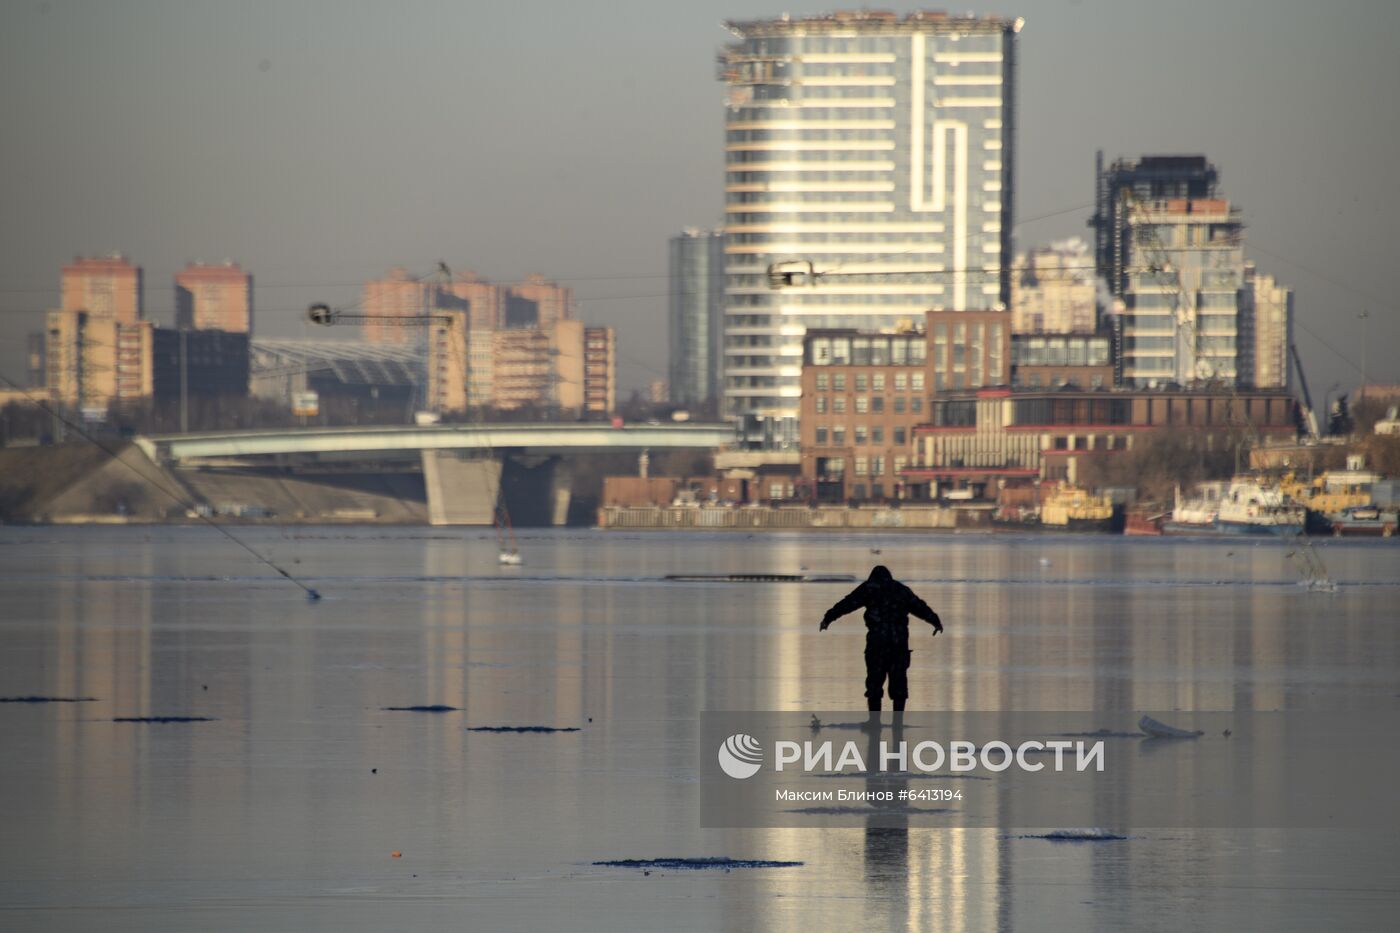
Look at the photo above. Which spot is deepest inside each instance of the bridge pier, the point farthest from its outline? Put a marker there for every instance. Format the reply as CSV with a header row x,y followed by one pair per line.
x,y
537,490
461,490
464,490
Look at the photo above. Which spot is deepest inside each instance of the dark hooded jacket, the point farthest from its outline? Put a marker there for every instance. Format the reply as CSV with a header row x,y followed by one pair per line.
x,y
888,605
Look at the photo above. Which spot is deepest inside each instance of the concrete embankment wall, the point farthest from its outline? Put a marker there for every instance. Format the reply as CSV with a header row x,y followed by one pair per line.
x,y
391,498
80,483
918,518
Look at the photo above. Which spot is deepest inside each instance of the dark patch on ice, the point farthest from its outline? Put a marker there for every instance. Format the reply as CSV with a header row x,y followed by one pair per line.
x,y
871,811
435,708
697,864
48,699
162,719
1075,835
1103,734
545,729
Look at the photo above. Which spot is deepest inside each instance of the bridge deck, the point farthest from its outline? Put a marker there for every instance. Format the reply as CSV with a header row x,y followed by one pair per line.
x,y
527,438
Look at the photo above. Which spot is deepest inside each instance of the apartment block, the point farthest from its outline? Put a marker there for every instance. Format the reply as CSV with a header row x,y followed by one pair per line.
x,y
599,371
214,297
95,360
1053,290
103,287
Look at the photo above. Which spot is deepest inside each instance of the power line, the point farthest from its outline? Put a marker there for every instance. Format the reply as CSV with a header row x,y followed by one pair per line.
x,y
1316,336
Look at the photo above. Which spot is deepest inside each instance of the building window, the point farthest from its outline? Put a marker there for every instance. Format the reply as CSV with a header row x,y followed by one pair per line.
x,y
861,466
821,437
858,491
862,382
877,435
823,382
916,404
877,382
838,382
821,404
899,435
877,490
877,403
956,413
838,404
900,463
860,351
861,434
899,404
877,466
838,436
901,381
862,404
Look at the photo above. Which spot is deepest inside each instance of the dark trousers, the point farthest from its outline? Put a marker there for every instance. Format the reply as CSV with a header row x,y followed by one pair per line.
x,y
886,659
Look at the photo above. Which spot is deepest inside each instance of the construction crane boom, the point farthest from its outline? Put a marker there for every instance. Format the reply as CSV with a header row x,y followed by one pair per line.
x,y
1308,412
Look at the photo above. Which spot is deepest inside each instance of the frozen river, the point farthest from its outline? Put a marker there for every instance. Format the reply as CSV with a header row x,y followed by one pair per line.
x,y
284,811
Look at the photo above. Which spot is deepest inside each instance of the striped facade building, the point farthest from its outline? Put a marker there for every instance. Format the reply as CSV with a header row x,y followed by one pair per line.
x,y
877,148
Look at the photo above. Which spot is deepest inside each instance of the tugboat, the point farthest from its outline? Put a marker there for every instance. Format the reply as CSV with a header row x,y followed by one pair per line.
x,y
1070,508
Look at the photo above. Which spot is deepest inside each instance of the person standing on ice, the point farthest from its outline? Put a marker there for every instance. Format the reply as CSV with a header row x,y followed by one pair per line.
x,y
888,605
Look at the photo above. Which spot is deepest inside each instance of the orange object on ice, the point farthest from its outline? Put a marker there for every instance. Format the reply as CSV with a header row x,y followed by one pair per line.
x,y
396,855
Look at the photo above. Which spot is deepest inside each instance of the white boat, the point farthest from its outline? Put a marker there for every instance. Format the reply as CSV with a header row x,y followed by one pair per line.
x,y
511,558
1243,506
1250,508
1197,513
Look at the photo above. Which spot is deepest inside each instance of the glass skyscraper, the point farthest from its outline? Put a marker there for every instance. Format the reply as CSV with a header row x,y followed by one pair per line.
x,y
880,150
696,315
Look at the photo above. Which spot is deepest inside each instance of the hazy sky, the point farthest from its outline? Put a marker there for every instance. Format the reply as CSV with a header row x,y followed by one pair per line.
x,y
320,143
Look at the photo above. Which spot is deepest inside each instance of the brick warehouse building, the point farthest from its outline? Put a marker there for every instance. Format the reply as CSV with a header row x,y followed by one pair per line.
x,y
875,425
862,396
973,440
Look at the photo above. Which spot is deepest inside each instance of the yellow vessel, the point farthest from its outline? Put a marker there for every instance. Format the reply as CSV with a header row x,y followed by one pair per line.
x,y
1073,509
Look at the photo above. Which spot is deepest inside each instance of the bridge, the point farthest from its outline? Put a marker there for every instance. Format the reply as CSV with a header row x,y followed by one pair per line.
x,y
468,469
393,441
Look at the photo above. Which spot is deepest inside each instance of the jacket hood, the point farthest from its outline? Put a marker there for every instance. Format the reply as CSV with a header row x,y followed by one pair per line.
x,y
880,573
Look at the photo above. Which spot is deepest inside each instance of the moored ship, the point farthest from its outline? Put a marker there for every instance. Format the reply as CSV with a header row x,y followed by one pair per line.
x,y
1070,508
1244,506
1363,520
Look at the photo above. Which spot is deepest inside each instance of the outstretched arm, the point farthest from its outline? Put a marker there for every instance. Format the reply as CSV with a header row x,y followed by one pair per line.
x,y
853,600
920,608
